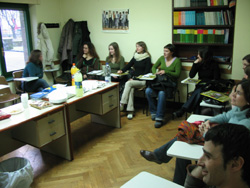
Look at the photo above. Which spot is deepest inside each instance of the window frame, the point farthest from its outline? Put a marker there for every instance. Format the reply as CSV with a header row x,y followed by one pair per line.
x,y
25,9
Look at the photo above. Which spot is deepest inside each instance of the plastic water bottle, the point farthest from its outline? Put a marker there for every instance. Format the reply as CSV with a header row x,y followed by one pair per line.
x,y
78,84
24,100
107,73
73,70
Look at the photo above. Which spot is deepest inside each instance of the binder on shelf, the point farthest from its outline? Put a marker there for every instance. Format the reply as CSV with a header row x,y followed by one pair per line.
x,y
176,18
226,36
205,35
200,36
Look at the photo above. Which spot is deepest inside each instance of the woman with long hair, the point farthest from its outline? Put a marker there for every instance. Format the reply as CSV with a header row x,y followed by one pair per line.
x,y
115,60
141,62
207,70
34,68
88,59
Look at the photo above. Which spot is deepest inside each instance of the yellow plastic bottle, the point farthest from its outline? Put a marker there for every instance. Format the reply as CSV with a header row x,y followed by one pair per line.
x,y
73,70
78,84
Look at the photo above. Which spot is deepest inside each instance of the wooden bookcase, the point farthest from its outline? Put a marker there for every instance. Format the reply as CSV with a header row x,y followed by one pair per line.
x,y
189,48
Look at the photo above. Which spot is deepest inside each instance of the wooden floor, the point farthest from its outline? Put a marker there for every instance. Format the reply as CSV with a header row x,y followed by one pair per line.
x,y
105,157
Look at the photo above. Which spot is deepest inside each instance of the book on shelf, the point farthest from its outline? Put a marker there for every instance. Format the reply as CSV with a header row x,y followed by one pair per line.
x,y
216,95
218,36
202,3
203,18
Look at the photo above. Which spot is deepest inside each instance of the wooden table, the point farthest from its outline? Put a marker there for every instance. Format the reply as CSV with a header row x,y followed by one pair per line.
x,y
49,128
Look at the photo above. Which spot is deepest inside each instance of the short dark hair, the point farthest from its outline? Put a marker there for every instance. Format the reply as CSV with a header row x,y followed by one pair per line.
x,y
171,47
235,141
247,58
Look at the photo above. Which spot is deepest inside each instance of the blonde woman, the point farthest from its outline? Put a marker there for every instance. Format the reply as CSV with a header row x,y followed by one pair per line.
x,y
141,62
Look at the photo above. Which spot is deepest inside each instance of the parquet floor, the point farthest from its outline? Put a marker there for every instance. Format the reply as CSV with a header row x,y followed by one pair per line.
x,y
105,157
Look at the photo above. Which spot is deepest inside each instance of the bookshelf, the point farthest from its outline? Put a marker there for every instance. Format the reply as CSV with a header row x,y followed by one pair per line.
x,y
198,23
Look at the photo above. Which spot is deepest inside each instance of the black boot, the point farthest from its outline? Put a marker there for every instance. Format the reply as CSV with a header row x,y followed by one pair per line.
x,y
179,113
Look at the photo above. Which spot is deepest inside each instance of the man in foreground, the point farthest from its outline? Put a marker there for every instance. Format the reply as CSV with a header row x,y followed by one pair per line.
x,y
226,159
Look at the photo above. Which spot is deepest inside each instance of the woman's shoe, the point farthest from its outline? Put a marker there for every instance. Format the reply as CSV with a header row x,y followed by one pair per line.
x,y
158,124
150,156
130,116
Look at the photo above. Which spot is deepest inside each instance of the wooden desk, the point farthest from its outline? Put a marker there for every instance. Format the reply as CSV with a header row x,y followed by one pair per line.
x,y
49,128
102,104
45,129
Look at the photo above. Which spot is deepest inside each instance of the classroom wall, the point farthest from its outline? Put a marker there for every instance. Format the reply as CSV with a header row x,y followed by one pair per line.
x,y
241,37
150,21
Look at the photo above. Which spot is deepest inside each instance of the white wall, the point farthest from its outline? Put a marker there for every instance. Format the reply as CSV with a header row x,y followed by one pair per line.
x,y
150,21
241,37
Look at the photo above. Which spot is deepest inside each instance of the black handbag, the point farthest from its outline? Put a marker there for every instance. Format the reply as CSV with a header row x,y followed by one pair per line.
x,y
163,83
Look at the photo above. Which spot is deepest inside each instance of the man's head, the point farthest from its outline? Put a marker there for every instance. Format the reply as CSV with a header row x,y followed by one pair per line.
x,y
226,155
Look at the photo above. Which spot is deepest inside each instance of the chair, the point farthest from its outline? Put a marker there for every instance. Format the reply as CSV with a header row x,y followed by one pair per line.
x,y
5,94
18,74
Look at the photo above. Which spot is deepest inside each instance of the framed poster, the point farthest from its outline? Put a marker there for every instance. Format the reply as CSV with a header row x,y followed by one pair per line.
x,y
115,20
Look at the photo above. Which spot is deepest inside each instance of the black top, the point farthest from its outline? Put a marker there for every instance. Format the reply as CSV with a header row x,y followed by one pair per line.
x,y
140,67
206,71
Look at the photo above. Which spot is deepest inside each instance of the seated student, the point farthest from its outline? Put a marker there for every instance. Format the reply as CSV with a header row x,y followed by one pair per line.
x,y
34,68
225,161
116,62
171,66
247,72
245,61
141,62
207,70
88,59
240,115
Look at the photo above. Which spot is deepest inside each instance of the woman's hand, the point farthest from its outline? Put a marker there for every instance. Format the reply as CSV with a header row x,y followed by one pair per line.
x,y
161,72
119,71
197,61
115,77
203,127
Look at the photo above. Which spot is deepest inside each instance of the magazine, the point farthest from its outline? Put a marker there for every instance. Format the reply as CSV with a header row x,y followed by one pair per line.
x,y
190,81
216,95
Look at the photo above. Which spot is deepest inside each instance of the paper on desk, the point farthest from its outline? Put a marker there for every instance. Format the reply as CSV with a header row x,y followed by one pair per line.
x,y
96,72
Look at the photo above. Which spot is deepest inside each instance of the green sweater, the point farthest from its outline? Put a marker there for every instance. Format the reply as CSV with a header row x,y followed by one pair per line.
x,y
173,71
116,66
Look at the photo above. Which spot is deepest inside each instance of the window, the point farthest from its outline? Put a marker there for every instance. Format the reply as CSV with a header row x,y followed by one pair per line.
x,y
15,36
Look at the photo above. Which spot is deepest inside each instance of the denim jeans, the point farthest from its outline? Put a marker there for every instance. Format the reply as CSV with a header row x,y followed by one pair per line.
x,y
36,85
159,109
180,164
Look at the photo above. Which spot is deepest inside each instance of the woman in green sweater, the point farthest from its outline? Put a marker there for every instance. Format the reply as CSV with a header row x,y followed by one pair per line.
x,y
171,66
115,60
